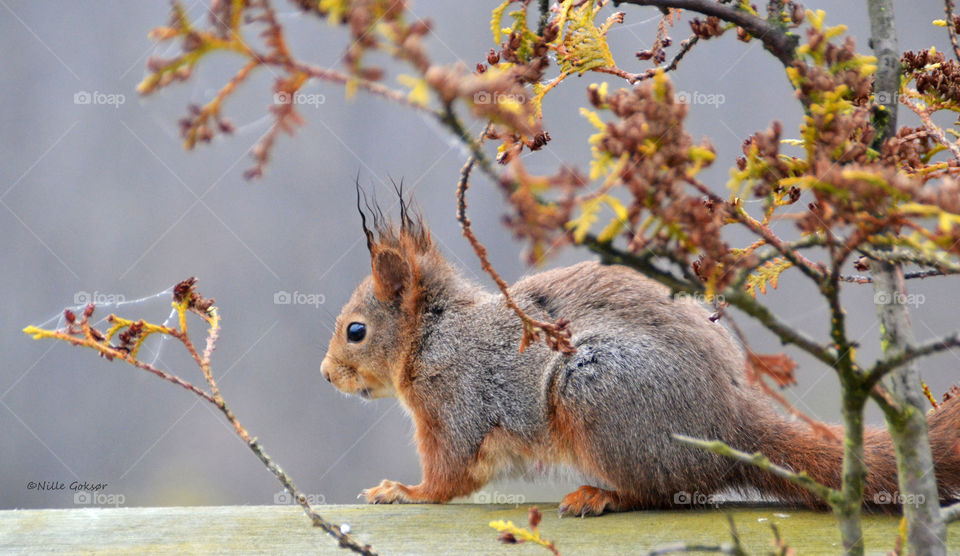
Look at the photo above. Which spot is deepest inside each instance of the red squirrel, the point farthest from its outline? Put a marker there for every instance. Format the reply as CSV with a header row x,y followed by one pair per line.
x,y
646,366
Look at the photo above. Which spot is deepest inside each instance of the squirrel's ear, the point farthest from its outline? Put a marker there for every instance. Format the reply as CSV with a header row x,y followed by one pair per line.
x,y
390,274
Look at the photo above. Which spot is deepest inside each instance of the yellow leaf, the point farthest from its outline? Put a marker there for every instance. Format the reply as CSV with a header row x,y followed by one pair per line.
x,y
793,75
335,10
593,118
562,18
835,31
589,211
601,161
37,333
588,215
617,224
497,16
419,90
816,18
769,272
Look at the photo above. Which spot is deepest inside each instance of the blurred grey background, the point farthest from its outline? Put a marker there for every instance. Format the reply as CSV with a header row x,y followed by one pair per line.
x,y
100,200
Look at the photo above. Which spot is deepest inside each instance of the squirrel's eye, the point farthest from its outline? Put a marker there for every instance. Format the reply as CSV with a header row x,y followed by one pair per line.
x,y
356,331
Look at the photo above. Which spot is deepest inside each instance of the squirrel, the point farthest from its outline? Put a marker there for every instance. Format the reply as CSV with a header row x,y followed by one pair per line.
x,y
646,366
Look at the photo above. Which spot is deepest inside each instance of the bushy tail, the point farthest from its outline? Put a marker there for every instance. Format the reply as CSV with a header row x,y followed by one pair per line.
x,y
797,447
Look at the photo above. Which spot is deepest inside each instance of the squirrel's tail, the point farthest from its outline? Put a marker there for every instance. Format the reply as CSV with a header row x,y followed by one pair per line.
x,y
797,447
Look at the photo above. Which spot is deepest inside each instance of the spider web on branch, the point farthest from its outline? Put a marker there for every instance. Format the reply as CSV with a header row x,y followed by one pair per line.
x,y
151,308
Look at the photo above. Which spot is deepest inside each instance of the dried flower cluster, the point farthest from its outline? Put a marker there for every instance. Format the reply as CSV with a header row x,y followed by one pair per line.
x,y
933,74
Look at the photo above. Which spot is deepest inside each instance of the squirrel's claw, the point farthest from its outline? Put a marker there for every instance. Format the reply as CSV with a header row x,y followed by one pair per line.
x,y
588,501
387,492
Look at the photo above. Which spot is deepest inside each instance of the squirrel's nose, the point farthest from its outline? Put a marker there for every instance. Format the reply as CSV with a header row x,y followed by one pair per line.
x,y
324,369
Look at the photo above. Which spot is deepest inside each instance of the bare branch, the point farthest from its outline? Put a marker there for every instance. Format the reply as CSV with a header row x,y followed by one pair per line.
x,y
950,513
635,78
951,30
829,495
911,352
775,39
787,333
557,334
859,279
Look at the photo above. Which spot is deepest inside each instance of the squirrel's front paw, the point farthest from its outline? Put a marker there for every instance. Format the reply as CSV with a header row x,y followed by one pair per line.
x,y
387,492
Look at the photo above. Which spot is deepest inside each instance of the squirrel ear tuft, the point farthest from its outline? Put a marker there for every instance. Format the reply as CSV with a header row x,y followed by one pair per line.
x,y
390,274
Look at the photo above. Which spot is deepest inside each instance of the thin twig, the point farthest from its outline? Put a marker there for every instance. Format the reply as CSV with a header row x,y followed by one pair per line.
x,y
635,78
802,479
817,426
951,30
897,256
859,279
787,333
776,40
557,334
930,126
951,513
881,368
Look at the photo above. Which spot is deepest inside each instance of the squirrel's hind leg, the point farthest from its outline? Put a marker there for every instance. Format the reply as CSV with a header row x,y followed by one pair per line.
x,y
589,501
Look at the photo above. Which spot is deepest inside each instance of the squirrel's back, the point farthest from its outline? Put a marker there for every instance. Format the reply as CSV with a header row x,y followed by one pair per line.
x,y
648,365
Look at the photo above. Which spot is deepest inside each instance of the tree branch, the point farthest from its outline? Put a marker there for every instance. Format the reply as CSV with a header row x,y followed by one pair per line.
x,y
951,30
909,353
858,279
775,39
739,299
950,513
557,334
895,256
829,495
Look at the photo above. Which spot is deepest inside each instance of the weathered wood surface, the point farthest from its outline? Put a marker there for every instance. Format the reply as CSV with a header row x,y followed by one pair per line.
x,y
413,529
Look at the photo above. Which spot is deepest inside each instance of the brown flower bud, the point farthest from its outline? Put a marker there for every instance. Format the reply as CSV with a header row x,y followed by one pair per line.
x,y
535,517
551,32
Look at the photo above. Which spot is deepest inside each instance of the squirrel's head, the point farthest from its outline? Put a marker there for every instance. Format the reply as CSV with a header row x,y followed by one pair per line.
x,y
377,327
